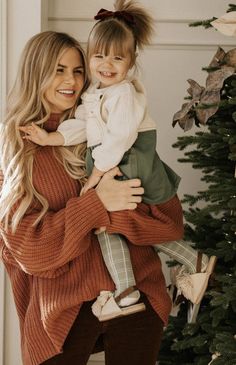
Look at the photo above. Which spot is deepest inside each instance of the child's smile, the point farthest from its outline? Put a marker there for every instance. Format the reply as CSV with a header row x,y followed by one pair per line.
x,y
109,69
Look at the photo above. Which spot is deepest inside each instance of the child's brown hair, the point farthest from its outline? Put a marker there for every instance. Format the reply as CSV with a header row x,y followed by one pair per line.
x,y
129,27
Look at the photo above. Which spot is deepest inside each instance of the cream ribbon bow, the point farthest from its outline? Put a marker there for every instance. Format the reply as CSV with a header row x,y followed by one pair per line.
x,y
226,24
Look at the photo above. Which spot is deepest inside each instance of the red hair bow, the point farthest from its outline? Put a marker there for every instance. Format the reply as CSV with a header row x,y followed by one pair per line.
x,y
103,14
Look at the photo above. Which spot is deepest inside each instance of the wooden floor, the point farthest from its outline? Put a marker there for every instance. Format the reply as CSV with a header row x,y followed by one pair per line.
x,y
97,359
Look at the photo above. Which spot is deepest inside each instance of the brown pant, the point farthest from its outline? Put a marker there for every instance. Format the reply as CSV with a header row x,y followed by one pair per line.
x,y
128,340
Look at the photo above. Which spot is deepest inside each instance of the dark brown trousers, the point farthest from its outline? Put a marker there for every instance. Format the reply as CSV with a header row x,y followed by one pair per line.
x,y
128,340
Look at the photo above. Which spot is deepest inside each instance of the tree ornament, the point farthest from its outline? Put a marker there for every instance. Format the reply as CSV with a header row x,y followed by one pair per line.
x,y
214,356
226,24
204,102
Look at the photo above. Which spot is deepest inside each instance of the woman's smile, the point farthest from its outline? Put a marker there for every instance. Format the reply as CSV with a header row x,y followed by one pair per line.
x,y
68,82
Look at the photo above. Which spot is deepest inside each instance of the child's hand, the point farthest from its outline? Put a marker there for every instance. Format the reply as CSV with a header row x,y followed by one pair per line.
x,y
90,183
100,230
35,134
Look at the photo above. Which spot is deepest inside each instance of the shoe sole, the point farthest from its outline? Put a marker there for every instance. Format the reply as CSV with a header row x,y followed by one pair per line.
x,y
140,307
209,270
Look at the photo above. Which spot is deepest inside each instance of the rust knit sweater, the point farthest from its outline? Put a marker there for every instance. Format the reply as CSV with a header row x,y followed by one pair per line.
x,y
57,265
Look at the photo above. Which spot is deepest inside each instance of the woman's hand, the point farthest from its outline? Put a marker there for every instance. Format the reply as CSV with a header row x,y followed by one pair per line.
x,y
119,195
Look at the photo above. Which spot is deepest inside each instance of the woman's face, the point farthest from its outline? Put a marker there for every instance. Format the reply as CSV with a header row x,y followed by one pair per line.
x,y
68,82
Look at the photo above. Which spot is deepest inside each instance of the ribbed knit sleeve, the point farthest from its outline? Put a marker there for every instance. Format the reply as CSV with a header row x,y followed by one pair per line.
x,y
148,225
59,237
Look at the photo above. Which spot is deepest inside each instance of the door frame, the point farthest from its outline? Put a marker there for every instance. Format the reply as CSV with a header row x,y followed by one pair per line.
x,y
3,91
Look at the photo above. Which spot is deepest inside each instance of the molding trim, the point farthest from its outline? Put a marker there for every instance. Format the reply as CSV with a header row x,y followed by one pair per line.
x,y
171,33
181,47
3,92
87,19
190,47
3,54
44,15
2,313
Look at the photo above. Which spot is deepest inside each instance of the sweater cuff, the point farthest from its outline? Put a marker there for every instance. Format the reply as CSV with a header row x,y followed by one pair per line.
x,y
92,212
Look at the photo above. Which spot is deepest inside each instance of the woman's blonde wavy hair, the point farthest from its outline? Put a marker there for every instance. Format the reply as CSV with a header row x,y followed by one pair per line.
x,y
26,103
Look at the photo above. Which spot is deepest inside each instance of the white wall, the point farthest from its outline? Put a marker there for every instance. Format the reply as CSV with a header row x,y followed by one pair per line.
x,y
177,53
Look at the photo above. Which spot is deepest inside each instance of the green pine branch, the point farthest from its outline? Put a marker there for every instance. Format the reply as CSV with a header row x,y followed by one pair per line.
x,y
211,228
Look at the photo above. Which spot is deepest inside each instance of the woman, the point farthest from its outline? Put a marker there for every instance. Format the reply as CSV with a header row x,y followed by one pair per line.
x,y
49,248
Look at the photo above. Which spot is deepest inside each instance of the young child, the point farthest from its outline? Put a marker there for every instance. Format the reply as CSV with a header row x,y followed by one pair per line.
x,y
119,131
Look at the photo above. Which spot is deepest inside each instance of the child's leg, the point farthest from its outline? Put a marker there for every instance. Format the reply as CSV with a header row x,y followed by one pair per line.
x,y
191,284
117,259
184,253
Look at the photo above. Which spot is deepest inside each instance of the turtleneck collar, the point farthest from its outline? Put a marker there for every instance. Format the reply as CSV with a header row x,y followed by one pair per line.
x,y
52,123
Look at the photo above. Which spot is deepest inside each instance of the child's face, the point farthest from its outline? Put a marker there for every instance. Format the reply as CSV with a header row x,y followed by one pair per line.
x,y
109,69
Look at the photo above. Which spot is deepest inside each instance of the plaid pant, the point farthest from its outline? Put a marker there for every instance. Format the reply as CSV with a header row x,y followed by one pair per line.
x,y
117,258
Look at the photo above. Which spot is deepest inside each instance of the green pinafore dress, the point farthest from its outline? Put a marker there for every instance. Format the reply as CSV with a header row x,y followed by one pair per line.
x,y
141,161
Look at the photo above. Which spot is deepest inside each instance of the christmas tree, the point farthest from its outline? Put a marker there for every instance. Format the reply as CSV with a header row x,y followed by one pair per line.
x,y
212,339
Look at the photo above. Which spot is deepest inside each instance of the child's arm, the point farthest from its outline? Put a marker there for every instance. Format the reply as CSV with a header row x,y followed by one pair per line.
x,y
73,130
125,114
41,137
69,133
93,180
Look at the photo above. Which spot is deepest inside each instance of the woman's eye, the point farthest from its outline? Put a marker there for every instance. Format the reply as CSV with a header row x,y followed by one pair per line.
x,y
118,58
60,70
79,71
98,56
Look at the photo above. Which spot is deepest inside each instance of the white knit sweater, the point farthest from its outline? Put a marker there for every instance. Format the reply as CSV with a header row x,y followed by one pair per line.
x,y
111,118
